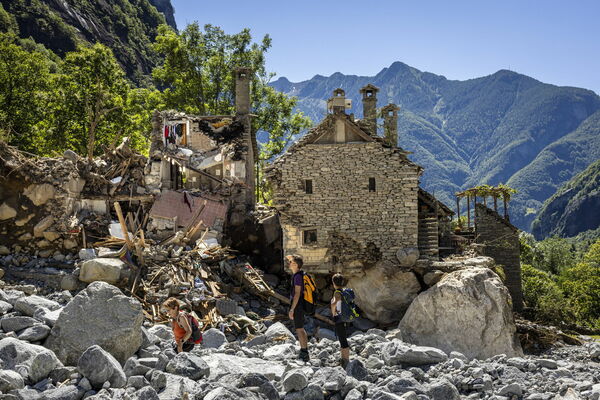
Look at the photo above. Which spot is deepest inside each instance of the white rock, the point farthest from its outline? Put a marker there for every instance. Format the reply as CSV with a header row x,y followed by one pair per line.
x,y
226,364
395,292
278,330
7,212
101,269
467,311
30,304
213,338
39,194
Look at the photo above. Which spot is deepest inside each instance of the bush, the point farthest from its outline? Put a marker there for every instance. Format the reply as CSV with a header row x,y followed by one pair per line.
x,y
545,297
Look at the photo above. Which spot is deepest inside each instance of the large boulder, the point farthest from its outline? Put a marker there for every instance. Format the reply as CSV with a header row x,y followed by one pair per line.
x,y
98,366
395,291
33,362
99,315
102,269
467,311
188,365
226,364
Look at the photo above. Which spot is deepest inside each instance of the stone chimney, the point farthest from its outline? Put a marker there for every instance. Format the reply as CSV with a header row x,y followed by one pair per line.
x,y
242,90
338,103
369,100
390,124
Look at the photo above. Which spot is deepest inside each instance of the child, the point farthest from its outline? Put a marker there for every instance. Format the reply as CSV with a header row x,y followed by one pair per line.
x,y
336,311
296,313
180,324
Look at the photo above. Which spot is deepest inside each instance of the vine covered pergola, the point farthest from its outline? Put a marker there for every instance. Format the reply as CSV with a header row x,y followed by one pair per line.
x,y
484,192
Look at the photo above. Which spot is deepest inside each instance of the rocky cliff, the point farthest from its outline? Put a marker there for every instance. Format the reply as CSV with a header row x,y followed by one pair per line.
x,y
128,27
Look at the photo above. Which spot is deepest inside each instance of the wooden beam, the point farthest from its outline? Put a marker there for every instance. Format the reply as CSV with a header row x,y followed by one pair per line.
x,y
123,225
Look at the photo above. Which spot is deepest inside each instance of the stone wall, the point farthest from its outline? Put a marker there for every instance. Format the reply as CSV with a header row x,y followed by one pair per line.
x,y
501,240
355,226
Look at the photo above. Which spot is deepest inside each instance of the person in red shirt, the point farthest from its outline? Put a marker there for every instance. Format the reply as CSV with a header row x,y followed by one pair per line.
x,y
180,324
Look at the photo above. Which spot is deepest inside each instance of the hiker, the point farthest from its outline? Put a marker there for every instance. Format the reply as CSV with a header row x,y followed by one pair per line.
x,y
296,313
182,329
343,311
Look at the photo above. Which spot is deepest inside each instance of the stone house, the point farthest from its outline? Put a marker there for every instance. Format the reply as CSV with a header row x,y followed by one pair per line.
x,y
349,199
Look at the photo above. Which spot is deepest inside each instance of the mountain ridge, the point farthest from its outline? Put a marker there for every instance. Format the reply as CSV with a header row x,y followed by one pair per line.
x,y
488,129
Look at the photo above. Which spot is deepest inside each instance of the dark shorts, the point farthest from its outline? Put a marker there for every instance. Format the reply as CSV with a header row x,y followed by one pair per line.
x,y
342,334
299,316
186,347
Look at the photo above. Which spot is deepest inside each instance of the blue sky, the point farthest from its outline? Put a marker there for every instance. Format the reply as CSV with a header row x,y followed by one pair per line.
x,y
556,42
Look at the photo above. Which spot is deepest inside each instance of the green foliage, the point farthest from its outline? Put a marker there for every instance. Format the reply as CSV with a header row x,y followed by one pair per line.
x,y
90,97
561,281
24,85
543,294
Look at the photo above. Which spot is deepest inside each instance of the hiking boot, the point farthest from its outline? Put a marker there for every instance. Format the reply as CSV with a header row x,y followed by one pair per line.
x,y
304,356
344,363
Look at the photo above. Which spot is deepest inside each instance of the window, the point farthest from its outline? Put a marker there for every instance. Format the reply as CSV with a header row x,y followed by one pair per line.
x,y
308,188
391,113
369,93
371,184
309,236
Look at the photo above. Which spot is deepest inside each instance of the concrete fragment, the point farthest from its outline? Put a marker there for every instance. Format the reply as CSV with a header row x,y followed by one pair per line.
x,y
39,194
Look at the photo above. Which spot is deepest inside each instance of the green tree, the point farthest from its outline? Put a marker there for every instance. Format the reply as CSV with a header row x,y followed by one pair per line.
x,y
544,296
581,284
553,255
24,84
89,102
197,78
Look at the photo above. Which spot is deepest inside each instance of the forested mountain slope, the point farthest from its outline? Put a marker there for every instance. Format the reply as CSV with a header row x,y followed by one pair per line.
x,y
128,27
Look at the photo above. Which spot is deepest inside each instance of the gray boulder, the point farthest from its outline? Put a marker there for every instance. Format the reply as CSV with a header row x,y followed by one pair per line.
x,y
99,315
30,304
213,338
230,394
146,393
357,370
176,386
10,380
34,333
397,352
5,307
226,364
295,380
11,296
442,390
69,392
188,365
48,317
278,330
474,297
16,323
33,362
99,366
163,332
331,379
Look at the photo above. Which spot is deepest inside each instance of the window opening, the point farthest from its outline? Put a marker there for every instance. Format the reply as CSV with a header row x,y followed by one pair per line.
x,y
309,236
308,186
371,184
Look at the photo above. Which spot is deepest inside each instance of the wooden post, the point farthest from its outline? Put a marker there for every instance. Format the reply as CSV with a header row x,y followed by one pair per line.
x,y
123,225
458,209
505,208
495,203
468,212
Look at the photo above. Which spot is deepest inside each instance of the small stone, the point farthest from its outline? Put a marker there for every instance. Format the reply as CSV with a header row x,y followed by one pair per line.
x,y
511,389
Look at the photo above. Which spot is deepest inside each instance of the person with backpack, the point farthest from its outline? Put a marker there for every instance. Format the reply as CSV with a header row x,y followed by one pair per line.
x,y
185,326
297,307
344,311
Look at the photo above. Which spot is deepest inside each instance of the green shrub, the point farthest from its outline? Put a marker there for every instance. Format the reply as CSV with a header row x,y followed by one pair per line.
x,y
545,297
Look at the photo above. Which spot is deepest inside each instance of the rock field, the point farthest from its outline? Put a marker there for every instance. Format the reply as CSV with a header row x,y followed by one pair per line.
x,y
139,363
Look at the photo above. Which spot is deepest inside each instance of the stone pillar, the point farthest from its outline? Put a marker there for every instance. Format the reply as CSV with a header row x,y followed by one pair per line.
x,y
390,124
156,139
243,77
369,100
501,240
